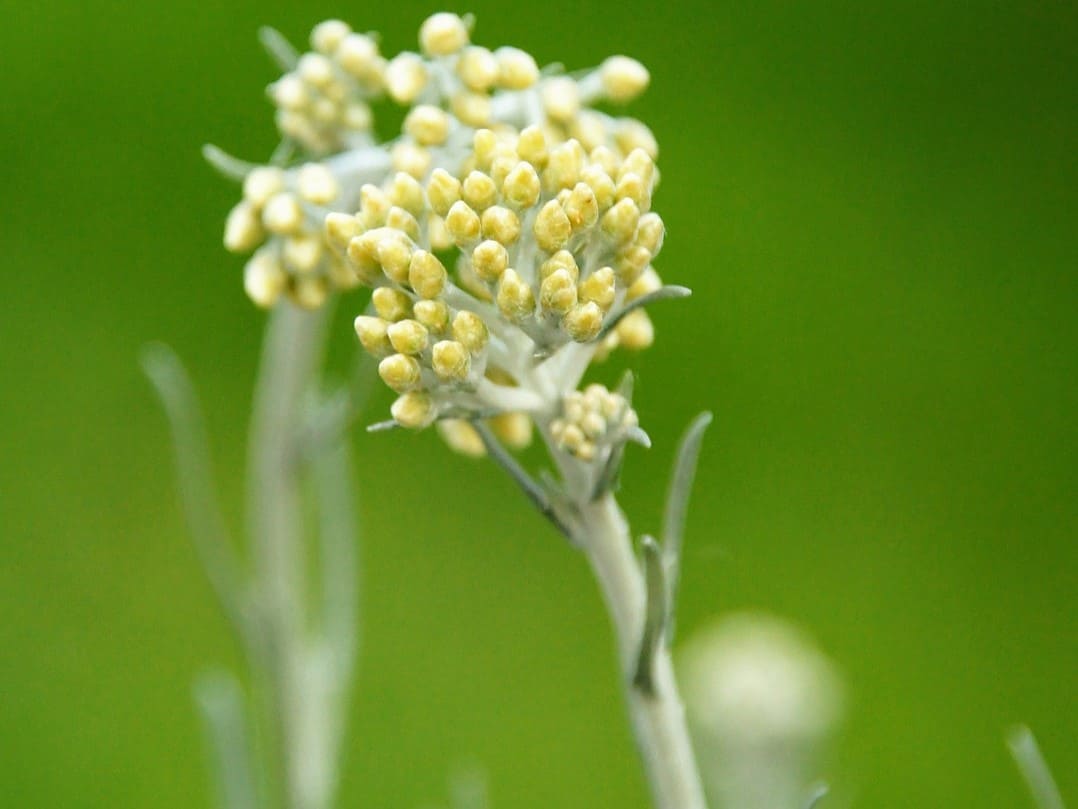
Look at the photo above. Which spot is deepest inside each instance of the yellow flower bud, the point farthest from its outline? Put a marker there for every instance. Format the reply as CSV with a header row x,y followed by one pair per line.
x,y
484,145
623,78
639,162
461,437
411,159
473,109
408,336
282,214
340,229
373,335
264,279
400,372
426,274
407,193
521,187
442,191
438,235
405,77
309,291
261,184
429,125
391,304
582,208
564,166
399,219
649,233
590,129
478,69
373,206
394,251
462,223
632,186
583,322
561,98
315,69
358,55
243,229
561,260
489,260
363,256
599,288
632,134
619,223
557,293
516,69
479,191
414,410
500,224
327,36
648,282
317,184
552,227
635,331
630,261
532,146
515,299
433,314
442,34
470,330
289,92
514,429
451,361
302,253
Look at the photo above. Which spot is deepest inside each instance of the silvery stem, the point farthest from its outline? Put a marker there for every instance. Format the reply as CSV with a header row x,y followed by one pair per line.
x,y
657,716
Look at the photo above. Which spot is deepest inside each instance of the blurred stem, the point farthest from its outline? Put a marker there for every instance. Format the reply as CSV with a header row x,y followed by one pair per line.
x,y
295,671
656,713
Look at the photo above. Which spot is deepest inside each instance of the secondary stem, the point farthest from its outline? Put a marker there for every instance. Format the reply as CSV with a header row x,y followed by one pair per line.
x,y
657,717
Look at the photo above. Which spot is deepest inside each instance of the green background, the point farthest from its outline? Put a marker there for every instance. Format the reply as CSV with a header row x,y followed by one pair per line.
x,y
876,207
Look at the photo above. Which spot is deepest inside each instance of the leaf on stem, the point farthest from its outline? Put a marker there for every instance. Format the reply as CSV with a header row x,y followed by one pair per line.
x,y
665,293
278,47
1038,776
816,794
655,617
194,472
677,504
230,167
220,701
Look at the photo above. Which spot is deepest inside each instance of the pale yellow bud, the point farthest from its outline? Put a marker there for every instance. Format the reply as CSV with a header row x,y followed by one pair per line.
x,y
635,331
451,361
264,279
414,410
515,299
405,77
484,145
589,128
340,229
623,78
478,69
302,253
516,69
358,54
394,251
564,166
649,233
327,36
582,208
470,330
479,191
289,92
462,223
561,260
599,288
317,184
438,235
606,158
630,261
473,109
557,293
632,134
619,223
411,159
315,69
401,373
561,98
363,256
489,260
521,186
461,437
583,322
399,219
638,162
552,227
428,124
406,192
373,205
514,429
649,281
434,315
309,292
532,146
426,274
632,186
391,304
500,224
372,335
357,116
408,336
593,425
442,34
339,273
442,191
282,214
602,186
261,184
571,438
243,229
323,110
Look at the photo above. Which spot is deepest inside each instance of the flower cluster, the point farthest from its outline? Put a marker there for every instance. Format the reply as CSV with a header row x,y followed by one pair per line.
x,y
507,233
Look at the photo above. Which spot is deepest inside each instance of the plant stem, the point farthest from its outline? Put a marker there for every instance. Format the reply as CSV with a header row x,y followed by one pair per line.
x,y
283,659
657,716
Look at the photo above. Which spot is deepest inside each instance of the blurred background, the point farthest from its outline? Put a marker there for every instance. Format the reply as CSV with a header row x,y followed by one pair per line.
x,y
876,207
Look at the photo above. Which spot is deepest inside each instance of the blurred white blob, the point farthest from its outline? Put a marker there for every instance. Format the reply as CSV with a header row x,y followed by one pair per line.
x,y
762,701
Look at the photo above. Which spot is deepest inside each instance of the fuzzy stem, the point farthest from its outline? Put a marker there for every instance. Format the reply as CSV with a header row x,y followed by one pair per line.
x,y
290,358
657,716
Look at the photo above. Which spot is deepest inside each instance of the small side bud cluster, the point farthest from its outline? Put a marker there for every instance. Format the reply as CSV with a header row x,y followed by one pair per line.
x,y
281,215
592,420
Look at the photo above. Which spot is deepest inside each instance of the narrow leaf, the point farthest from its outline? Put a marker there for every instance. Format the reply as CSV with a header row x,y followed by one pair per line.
x,y
1027,755
221,703
230,167
665,293
195,478
816,794
279,49
677,504
654,615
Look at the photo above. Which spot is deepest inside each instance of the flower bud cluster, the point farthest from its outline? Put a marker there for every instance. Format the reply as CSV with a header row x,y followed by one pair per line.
x,y
281,215
592,420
